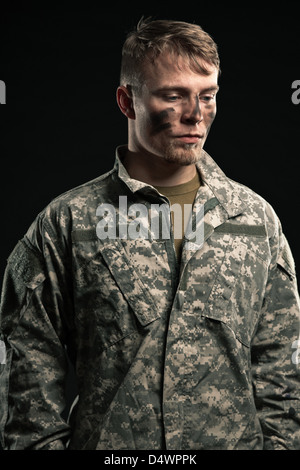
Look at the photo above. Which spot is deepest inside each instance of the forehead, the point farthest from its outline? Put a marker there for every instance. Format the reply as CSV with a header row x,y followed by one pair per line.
x,y
169,70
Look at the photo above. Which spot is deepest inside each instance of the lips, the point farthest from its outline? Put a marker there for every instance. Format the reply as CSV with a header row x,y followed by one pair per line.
x,y
189,138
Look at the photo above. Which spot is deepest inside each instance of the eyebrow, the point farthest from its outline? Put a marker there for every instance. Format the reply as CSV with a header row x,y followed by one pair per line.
x,y
214,88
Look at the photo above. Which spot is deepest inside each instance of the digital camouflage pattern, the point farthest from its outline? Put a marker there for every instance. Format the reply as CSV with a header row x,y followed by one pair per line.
x,y
167,356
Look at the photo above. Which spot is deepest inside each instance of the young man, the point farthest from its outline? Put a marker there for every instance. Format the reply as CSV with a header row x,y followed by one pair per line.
x,y
179,340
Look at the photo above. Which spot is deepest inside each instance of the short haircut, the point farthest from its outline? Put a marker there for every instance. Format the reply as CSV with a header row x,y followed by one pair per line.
x,y
152,37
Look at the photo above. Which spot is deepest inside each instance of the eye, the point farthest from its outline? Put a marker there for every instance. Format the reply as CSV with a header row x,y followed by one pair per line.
x,y
172,98
207,98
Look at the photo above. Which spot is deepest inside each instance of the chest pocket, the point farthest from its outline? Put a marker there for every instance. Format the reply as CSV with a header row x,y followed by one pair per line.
x,y
111,301
129,283
238,290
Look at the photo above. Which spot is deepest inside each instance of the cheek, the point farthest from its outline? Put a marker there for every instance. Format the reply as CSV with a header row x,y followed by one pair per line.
x,y
210,115
161,120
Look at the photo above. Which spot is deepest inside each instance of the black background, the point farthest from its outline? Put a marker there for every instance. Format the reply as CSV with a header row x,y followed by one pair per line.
x,y
61,123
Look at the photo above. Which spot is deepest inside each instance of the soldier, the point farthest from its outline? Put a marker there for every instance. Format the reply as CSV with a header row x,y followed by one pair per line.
x,y
177,342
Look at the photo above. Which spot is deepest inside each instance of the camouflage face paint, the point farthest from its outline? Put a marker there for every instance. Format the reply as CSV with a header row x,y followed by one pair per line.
x,y
212,116
159,120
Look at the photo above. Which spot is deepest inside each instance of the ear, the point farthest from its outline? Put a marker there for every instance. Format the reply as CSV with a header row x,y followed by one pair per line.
x,y
125,102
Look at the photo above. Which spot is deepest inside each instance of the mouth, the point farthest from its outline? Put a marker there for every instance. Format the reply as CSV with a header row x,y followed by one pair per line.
x,y
189,138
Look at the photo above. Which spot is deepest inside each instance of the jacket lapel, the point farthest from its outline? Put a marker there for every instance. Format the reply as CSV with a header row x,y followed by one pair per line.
x,y
219,202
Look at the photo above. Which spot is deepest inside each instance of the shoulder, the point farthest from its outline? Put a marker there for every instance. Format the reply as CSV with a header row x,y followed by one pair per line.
x,y
84,193
75,208
257,208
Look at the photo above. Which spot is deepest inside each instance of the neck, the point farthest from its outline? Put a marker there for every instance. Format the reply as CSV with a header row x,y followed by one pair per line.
x,y
155,171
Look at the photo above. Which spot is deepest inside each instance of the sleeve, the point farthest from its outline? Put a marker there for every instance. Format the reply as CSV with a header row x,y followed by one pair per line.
x,y
274,357
35,298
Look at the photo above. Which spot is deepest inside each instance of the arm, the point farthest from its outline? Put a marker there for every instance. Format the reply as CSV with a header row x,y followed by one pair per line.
x,y
275,370
32,381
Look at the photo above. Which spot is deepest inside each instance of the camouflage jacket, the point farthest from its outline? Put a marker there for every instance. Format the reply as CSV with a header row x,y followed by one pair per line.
x,y
196,355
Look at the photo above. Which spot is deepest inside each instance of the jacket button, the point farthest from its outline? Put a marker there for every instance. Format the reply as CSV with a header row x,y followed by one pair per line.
x,y
292,412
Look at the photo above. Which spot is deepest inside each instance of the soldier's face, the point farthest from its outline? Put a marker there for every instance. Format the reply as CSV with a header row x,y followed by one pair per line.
x,y
174,111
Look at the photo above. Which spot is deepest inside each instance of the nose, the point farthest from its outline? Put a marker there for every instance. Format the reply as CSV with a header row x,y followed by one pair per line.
x,y
192,113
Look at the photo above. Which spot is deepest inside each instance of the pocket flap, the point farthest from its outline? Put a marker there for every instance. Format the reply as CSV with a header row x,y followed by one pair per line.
x,y
137,296
26,265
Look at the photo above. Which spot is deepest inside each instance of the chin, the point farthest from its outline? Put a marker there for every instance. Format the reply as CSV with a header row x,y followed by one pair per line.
x,y
184,155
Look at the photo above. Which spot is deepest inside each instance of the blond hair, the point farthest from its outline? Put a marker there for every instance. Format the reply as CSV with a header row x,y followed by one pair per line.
x,y
178,38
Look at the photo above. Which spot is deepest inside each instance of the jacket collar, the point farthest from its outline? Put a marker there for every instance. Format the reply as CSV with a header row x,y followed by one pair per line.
x,y
212,176
220,185
133,185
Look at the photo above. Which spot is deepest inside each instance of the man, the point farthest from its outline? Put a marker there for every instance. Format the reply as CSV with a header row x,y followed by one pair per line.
x,y
179,341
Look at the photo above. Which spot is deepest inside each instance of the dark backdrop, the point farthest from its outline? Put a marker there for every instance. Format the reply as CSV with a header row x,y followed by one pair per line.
x,y
61,123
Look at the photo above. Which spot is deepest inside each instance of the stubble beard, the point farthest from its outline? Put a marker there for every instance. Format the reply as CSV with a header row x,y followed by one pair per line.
x,y
183,155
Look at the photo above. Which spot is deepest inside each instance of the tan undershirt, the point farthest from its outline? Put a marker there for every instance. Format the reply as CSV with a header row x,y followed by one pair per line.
x,y
181,194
